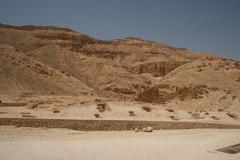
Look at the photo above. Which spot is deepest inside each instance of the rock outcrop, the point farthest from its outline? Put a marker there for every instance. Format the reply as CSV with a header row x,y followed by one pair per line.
x,y
157,69
149,95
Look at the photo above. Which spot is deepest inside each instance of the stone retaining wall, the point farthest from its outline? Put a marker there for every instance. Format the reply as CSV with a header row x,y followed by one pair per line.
x,y
109,125
13,104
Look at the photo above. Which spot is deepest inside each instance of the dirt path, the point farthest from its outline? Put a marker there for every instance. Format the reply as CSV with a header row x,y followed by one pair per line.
x,y
64,144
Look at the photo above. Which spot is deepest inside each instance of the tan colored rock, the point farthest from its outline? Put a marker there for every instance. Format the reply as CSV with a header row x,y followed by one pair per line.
x,y
149,129
131,113
147,108
149,95
136,130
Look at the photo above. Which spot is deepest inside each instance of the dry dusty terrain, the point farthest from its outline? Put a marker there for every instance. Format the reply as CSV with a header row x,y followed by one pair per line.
x,y
56,73
55,144
77,107
38,60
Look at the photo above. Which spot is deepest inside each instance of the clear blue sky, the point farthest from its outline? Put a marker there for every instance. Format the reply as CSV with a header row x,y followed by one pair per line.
x,y
200,25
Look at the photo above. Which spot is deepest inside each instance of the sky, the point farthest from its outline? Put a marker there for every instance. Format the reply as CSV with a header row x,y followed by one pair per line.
x,y
199,25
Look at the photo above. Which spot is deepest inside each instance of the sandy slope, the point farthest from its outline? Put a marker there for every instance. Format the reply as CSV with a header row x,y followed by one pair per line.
x,y
23,75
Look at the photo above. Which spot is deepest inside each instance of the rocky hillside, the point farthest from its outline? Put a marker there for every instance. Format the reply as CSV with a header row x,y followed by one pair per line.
x,y
21,74
52,60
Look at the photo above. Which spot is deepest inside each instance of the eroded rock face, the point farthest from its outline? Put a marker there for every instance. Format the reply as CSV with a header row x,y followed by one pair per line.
x,y
157,68
195,92
123,90
154,95
149,95
163,94
58,61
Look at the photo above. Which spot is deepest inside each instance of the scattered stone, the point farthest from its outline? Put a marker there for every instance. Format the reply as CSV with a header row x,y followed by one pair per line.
x,y
228,92
102,105
55,110
214,89
206,113
234,97
174,118
148,129
136,130
97,100
83,102
131,113
238,80
199,70
170,110
28,116
215,118
232,115
35,104
220,110
25,113
196,115
147,109
97,115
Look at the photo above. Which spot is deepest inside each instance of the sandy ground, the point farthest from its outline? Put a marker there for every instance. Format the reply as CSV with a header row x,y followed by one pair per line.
x,y
64,144
85,108
118,112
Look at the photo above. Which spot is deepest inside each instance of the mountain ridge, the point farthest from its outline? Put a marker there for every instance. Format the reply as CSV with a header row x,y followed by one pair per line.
x,y
125,68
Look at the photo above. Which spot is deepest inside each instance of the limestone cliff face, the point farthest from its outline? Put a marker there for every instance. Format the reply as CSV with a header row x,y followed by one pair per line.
x,y
160,68
51,60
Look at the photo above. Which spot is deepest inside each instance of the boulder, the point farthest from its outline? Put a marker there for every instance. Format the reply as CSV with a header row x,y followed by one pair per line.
x,y
232,115
55,110
196,115
102,106
215,118
174,118
147,108
170,110
97,115
131,113
136,130
148,129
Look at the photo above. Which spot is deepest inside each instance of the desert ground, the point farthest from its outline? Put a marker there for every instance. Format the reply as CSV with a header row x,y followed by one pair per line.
x,y
54,144
75,107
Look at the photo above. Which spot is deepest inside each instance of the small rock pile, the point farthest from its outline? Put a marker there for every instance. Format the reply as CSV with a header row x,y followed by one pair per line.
x,y
102,105
147,129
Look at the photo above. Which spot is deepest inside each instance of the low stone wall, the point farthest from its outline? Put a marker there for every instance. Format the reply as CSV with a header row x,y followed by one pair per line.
x,y
109,125
13,104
